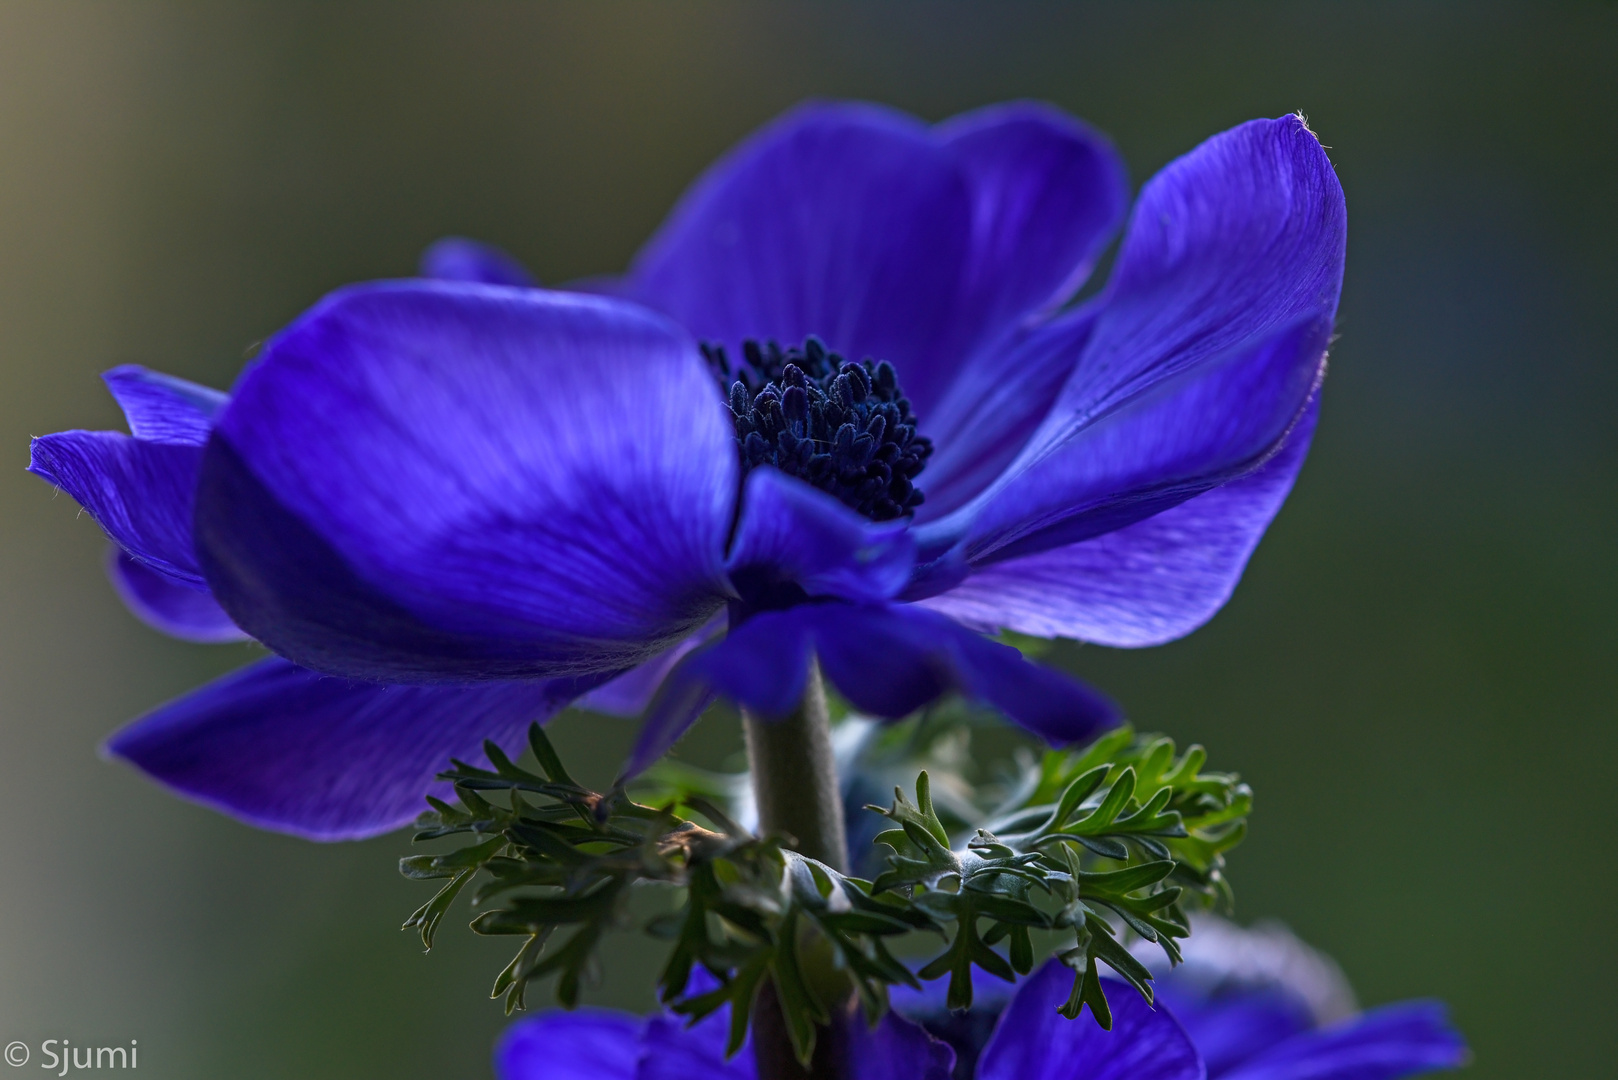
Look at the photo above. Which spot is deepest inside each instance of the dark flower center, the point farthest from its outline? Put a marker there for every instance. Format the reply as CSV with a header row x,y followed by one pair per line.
x,y
843,427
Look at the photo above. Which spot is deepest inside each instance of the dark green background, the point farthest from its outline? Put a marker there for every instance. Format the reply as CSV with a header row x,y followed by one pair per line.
x,y
1416,674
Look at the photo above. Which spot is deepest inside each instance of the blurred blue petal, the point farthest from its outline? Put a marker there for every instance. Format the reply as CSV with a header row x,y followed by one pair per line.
x,y
1035,1042
968,1031
587,1044
1379,1044
456,258
141,490
181,611
1230,1028
673,1051
896,1049
609,1045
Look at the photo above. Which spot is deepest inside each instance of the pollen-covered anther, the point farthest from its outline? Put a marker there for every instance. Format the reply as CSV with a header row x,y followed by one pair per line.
x,y
843,427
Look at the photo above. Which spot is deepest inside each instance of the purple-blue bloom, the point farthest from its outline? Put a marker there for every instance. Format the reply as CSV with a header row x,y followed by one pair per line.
x,y
1243,1031
1261,1005
1257,1004
1031,1042
454,506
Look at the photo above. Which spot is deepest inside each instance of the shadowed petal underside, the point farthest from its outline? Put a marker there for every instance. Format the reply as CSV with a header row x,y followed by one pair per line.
x,y
327,758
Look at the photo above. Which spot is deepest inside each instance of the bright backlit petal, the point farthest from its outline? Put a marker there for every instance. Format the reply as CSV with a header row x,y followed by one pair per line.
x,y
424,481
140,493
1144,584
1242,236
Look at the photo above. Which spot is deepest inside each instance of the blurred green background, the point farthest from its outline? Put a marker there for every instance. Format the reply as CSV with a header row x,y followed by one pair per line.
x,y
1416,673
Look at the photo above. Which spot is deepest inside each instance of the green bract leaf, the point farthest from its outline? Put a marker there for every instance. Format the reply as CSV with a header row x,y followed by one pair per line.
x,y
1116,838
1073,842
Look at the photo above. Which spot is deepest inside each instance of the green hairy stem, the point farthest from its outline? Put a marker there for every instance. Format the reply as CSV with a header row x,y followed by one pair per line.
x,y
795,778
795,784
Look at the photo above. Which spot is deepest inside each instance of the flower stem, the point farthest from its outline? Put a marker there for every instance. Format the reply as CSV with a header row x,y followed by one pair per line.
x,y
795,777
795,784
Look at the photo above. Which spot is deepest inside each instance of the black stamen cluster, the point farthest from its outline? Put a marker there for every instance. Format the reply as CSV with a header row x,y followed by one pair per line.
x,y
843,427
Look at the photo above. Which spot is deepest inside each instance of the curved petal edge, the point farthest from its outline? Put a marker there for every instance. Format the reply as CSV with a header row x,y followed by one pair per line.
x,y
284,748
508,483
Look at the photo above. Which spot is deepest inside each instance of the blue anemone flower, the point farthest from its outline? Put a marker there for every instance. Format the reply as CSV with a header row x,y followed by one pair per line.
x,y
1257,1004
1248,1005
837,408
1030,1042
